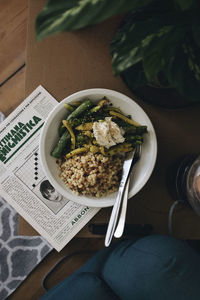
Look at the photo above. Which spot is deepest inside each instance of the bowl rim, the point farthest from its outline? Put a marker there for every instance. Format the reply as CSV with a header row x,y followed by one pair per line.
x,y
84,93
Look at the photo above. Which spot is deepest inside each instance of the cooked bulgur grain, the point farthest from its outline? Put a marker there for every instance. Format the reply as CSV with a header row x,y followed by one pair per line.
x,y
92,174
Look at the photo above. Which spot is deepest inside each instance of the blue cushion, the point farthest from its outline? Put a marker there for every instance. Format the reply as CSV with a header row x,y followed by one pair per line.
x,y
82,286
153,268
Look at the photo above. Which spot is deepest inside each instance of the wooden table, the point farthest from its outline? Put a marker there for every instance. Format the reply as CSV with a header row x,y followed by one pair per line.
x,y
72,61
69,62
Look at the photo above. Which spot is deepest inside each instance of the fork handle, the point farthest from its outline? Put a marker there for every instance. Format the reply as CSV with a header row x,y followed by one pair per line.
x,y
113,218
121,221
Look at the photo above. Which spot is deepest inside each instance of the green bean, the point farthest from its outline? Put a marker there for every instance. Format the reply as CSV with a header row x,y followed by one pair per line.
x,y
134,139
81,139
137,142
61,129
87,112
65,137
61,145
131,128
100,104
80,109
69,107
76,103
95,109
141,129
76,122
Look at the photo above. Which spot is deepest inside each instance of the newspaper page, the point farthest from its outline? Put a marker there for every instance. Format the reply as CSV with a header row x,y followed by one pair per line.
x,y
22,180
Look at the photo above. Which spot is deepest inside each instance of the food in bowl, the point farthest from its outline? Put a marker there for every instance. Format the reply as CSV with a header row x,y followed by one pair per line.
x,y
92,174
93,141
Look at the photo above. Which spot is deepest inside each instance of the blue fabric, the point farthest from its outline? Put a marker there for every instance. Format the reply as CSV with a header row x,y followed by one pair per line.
x,y
154,267
151,268
84,286
94,265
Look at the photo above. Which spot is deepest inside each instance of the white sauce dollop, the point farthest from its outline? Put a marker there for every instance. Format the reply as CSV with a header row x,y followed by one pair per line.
x,y
107,133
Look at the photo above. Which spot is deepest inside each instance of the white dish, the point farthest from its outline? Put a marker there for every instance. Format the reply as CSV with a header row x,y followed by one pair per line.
x,y
49,136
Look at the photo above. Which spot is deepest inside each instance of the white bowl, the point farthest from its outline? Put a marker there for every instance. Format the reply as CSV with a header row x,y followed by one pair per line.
x,y
49,136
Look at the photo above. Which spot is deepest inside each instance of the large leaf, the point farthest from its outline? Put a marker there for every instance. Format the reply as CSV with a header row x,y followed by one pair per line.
x,y
61,15
185,4
143,22
184,72
135,35
161,50
196,22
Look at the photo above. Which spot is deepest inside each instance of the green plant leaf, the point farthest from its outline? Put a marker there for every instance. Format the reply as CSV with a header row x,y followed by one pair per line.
x,y
62,15
161,50
184,72
185,4
136,35
195,22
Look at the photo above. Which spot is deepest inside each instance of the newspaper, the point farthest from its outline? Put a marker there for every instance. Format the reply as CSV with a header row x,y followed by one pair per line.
x,y
22,180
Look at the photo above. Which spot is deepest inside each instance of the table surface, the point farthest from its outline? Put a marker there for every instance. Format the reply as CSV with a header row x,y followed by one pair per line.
x,y
72,61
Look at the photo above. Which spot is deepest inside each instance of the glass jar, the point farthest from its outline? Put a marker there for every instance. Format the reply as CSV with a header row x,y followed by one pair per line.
x,y
193,185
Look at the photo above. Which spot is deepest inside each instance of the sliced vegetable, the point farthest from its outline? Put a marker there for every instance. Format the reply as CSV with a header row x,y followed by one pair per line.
x,y
88,133
86,126
99,105
103,102
131,129
61,145
127,120
78,136
80,109
133,138
76,103
125,147
69,107
94,149
76,151
75,122
141,129
61,129
65,137
73,139
81,140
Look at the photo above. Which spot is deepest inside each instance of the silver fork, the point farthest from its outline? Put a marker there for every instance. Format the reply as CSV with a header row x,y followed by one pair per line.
x,y
128,164
122,218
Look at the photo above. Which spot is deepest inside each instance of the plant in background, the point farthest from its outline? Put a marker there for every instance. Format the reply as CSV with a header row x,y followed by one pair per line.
x,y
158,41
